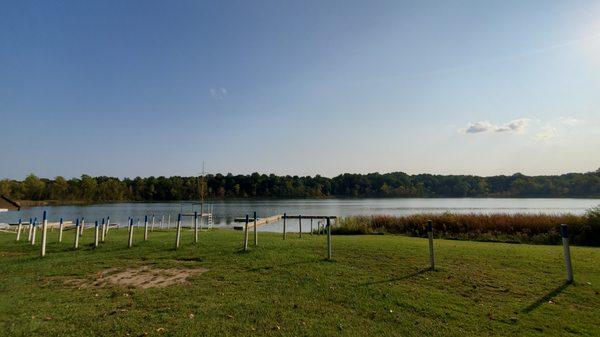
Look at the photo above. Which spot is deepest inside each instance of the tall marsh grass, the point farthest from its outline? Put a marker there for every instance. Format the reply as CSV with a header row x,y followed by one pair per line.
x,y
517,228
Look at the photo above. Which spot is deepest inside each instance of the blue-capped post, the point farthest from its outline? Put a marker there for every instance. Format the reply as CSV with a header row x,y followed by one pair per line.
x,y
103,230
284,218
44,233
96,234
34,230
564,233
76,245
145,227
61,227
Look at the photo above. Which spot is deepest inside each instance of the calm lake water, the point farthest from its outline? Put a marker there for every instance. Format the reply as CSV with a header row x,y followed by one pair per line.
x,y
225,211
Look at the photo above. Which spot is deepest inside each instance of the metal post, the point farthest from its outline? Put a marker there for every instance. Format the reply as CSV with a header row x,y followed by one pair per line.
x,y
76,245
130,241
195,227
255,232
96,229
103,230
44,229
300,224
169,224
107,226
311,226
33,232
162,221
19,228
145,227
82,227
246,233
178,235
329,253
430,235
564,233
29,228
284,217
152,228
61,227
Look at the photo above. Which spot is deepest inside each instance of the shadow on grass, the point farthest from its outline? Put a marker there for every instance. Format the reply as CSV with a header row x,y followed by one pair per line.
x,y
395,279
286,264
546,298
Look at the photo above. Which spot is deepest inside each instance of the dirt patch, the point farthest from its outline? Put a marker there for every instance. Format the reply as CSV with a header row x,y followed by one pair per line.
x,y
11,254
142,277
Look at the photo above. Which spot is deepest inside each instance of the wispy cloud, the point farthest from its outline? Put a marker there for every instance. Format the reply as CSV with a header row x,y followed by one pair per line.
x,y
569,121
478,127
514,126
218,94
546,133
557,128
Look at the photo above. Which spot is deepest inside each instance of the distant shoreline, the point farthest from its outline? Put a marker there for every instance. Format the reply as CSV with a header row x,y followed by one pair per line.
x,y
36,203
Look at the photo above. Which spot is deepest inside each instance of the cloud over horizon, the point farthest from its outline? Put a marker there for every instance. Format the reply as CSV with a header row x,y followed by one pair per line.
x,y
218,94
516,126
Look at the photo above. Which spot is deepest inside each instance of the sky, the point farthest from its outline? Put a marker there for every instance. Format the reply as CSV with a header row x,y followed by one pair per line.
x,y
150,88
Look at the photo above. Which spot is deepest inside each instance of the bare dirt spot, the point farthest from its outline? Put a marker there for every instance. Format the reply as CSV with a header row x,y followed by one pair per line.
x,y
142,277
11,254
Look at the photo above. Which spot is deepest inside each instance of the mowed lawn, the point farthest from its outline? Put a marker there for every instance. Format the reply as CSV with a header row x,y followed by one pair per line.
x,y
375,286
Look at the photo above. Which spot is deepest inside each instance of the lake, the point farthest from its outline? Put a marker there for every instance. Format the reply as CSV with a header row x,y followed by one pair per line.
x,y
226,210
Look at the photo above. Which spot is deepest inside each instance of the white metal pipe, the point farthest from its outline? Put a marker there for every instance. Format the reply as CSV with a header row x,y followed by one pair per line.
x,y
329,243
60,230
430,235
255,231
96,229
195,227
19,228
76,245
44,233
564,232
145,228
33,232
178,235
130,241
246,234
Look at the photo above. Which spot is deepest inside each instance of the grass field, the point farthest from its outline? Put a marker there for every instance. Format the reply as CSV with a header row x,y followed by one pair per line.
x,y
376,285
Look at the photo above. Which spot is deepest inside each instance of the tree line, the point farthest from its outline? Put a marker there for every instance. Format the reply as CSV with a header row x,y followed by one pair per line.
x,y
217,186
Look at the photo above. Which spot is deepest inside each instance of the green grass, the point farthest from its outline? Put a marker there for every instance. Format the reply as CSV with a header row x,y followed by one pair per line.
x,y
375,286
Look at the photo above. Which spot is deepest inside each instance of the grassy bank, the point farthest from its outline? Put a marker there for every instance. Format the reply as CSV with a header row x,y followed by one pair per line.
x,y
514,228
376,286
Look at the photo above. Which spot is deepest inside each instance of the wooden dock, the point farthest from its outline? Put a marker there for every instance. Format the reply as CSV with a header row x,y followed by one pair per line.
x,y
198,214
259,221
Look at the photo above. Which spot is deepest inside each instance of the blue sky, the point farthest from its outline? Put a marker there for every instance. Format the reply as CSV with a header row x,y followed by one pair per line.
x,y
140,88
